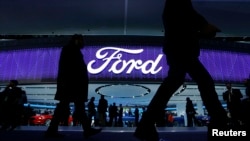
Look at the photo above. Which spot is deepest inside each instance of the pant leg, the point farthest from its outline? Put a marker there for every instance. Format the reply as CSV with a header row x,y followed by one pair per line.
x,y
59,114
81,115
146,129
207,90
7,116
102,119
90,116
16,116
189,120
235,114
175,78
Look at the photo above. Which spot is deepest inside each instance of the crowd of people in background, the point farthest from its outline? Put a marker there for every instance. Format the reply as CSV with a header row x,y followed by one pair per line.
x,y
237,106
13,113
112,115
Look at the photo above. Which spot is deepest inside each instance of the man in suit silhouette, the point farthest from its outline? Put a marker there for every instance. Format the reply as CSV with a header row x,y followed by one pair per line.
x,y
233,97
190,111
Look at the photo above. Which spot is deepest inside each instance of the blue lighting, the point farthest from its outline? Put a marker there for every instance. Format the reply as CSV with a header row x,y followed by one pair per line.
x,y
39,106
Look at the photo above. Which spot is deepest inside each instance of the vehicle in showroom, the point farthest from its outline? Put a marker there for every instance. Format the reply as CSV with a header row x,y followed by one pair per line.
x,y
45,119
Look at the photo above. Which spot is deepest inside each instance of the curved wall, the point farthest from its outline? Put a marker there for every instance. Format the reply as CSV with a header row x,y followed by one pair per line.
x,y
123,61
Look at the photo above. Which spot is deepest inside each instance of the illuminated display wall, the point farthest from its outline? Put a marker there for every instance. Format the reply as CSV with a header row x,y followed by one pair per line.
x,y
123,63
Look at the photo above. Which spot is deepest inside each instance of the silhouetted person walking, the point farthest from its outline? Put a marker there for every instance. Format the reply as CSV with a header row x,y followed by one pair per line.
x,y
183,29
72,86
190,112
233,98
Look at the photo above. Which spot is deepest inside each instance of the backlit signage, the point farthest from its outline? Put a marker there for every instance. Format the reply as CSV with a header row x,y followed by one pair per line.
x,y
123,63
114,57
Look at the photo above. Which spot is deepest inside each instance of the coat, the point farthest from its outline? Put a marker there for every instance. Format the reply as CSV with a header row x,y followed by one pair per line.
x,y
72,79
235,98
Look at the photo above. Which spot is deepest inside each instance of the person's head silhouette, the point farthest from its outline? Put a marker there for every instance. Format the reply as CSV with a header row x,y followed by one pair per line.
x,y
77,40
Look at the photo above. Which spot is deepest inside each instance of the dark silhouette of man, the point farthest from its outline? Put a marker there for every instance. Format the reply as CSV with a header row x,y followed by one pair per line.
x,y
190,111
120,116
10,107
91,110
72,86
233,97
183,29
102,109
113,115
137,115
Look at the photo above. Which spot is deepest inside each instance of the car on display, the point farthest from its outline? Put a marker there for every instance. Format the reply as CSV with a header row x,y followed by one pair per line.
x,y
40,119
179,121
45,119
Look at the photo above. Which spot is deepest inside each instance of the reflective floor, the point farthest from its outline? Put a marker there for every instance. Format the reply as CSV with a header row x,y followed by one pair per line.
x,y
36,133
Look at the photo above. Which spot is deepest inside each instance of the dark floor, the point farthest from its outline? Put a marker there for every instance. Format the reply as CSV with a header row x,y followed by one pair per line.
x,y
35,133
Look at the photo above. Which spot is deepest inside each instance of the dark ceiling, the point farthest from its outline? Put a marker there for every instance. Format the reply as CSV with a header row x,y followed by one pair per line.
x,y
113,17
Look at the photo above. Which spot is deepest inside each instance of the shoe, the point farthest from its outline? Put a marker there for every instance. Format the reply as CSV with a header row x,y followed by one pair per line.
x,y
146,133
53,135
91,132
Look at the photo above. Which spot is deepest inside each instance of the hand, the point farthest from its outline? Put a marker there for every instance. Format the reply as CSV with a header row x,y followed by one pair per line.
x,y
209,31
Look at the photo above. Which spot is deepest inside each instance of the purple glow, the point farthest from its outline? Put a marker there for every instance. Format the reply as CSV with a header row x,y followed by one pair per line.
x,y
29,64
225,65
41,64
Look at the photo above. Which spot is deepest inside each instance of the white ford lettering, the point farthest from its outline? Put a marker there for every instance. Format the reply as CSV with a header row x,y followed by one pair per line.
x,y
104,58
